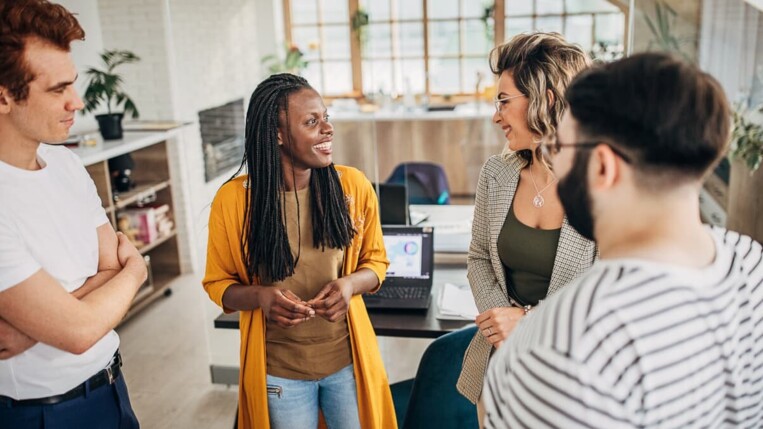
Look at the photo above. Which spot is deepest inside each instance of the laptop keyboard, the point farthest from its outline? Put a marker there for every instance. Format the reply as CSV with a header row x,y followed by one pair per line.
x,y
402,292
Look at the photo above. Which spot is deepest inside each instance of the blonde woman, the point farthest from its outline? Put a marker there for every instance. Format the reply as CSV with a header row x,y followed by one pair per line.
x,y
522,247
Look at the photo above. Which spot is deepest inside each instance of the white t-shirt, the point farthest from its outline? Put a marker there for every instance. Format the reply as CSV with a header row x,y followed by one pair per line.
x,y
634,343
48,220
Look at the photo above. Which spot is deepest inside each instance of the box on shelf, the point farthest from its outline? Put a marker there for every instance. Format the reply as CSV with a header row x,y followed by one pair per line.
x,y
144,225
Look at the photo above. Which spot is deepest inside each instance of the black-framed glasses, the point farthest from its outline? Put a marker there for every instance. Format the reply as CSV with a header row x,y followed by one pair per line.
x,y
553,146
499,101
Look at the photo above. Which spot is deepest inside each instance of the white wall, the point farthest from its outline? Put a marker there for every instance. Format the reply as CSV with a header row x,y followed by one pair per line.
x,y
85,53
197,54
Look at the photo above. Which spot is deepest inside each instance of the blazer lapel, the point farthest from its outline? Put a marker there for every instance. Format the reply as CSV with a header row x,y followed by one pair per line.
x,y
570,261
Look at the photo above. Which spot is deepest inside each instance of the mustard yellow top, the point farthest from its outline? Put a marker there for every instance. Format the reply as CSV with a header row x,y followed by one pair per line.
x,y
226,267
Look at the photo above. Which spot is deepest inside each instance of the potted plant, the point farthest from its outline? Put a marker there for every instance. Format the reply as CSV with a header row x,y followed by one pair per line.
x,y
745,206
291,63
104,89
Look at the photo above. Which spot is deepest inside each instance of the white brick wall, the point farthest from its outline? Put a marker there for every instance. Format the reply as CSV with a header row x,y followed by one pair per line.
x,y
196,54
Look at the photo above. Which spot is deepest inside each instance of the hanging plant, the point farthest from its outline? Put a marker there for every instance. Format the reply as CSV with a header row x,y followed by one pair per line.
x,y
488,20
359,24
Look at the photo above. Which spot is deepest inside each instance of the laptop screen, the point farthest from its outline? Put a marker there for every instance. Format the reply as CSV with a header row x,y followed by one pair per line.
x,y
410,251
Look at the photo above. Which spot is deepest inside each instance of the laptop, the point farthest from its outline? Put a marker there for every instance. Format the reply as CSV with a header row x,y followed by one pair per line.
x,y
393,203
408,284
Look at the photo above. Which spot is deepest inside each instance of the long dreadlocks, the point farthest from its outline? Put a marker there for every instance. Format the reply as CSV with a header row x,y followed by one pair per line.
x,y
264,238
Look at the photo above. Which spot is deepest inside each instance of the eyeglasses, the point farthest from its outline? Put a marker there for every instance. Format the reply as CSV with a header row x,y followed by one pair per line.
x,y
553,146
499,101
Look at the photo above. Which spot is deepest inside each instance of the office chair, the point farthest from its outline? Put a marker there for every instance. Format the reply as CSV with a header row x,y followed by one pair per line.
x,y
427,182
431,400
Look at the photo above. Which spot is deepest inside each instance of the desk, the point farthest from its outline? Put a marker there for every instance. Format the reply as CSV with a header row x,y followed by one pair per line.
x,y
407,324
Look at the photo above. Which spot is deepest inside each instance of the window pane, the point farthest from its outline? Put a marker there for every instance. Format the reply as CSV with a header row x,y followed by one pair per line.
x,y
338,76
579,31
444,76
313,75
410,74
335,11
377,76
549,6
378,10
379,41
304,11
410,36
336,42
470,68
610,28
443,38
576,6
477,41
519,8
306,37
549,23
472,8
409,9
443,9
515,26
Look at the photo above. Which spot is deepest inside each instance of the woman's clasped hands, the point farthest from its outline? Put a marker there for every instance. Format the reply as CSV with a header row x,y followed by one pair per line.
x,y
286,309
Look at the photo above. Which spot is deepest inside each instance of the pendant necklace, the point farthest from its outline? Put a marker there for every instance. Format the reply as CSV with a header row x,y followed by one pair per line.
x,y
538,201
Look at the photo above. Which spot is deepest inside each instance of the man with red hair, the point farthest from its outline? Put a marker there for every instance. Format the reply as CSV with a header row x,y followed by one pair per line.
x,y
66,279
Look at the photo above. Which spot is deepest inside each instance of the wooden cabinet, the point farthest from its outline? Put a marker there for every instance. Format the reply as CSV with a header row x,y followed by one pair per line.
x,y
153,187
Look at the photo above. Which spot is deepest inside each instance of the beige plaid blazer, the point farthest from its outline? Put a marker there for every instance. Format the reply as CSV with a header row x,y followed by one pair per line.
x,y
495,190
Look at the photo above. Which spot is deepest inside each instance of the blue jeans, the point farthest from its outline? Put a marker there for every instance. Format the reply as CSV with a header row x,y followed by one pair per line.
x,y
295,403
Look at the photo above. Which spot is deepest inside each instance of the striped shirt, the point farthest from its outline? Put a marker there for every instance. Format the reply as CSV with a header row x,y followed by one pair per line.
x,y
634,343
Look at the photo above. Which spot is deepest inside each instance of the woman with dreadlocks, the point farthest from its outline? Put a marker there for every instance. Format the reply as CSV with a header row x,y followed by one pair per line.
x,y
292,245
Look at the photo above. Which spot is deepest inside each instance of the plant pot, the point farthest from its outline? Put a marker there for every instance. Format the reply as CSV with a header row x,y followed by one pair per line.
x,y
745,210
110,125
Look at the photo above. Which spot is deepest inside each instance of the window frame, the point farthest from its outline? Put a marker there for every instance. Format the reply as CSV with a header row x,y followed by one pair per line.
x,y
499,29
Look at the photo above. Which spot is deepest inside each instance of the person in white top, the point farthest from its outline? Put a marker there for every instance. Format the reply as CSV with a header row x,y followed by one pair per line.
x,y
666,330
66,278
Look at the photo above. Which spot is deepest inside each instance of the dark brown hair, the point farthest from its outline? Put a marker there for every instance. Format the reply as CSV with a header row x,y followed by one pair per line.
x,y
669,116
22,20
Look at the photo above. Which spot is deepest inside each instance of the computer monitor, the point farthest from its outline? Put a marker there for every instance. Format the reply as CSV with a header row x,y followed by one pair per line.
x,y
393,203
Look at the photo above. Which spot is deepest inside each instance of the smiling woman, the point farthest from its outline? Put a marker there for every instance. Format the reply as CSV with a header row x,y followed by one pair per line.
x,y
296,238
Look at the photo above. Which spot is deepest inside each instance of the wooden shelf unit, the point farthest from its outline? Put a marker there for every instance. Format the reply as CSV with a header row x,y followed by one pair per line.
x,y
151,175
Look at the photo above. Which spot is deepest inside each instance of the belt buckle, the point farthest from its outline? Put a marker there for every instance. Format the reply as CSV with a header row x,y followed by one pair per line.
x,y
110,374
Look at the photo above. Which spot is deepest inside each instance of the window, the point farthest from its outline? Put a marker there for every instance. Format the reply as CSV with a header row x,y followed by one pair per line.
x,y
433,47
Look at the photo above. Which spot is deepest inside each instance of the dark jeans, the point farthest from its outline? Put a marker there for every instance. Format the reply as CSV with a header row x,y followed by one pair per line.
x,y
107,407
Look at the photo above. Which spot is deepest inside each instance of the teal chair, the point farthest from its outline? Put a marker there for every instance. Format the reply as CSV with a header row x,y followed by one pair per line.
x,y
431,400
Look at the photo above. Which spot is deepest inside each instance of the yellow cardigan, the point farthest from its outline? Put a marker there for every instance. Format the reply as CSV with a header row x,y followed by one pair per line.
x,y
226,267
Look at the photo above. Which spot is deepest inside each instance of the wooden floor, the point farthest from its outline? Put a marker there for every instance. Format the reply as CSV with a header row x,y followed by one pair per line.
x,y
166,363
167,367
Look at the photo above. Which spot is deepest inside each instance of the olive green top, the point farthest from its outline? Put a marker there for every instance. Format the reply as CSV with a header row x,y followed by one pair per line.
x,y
316,348
527,255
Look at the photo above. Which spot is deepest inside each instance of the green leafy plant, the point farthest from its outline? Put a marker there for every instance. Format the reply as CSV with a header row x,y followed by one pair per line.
x,y
104,86
662,29
488,20
747,139
359,23
292,61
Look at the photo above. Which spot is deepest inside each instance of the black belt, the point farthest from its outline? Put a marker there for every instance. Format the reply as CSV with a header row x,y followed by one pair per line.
x,y
101,378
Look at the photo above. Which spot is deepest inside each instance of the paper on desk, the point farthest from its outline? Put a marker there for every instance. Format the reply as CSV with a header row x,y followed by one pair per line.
x,y
456,303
